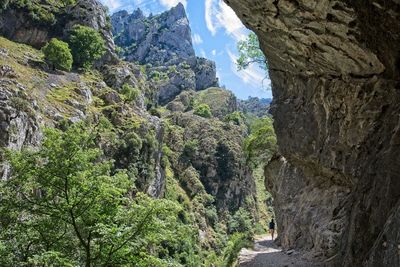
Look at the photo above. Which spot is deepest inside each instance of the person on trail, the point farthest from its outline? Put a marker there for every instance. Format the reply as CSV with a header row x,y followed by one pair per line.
x,y
272,228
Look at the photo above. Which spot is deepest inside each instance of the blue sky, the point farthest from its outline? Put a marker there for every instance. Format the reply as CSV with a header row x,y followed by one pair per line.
x,y
215,32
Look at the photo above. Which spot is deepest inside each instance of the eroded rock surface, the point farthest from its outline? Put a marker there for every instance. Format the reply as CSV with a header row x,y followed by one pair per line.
x,y
164,44
25,26
335,68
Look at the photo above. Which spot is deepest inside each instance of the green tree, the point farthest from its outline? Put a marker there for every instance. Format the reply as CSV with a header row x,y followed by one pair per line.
x,y
87,45
63,206
58,54
261,144
203,110
250,53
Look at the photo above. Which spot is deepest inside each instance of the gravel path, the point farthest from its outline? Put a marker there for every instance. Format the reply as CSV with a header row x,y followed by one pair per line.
x,y
265,253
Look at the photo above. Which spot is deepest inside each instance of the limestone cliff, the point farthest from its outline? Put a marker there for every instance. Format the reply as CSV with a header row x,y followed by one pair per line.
x,y
164,43
335,68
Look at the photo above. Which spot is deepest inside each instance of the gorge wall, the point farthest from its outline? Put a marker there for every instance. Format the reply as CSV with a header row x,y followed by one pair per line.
x,y
334,67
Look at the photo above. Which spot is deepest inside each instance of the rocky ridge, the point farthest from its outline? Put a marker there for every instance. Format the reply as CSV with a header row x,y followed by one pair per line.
x,y
335,75
259,107
164,43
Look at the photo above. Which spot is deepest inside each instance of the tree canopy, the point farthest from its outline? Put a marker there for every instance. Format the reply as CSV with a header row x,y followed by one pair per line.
x,y
87,45
65,206
58,54
261,144
250,53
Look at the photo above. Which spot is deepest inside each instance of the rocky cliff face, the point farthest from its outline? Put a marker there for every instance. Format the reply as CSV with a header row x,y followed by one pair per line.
x,y
157,39
335,68
163,41
36,24
258,107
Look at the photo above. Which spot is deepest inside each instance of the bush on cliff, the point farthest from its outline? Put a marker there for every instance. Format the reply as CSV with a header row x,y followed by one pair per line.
x,y
87,46
203,110
43,11
58,54
130,93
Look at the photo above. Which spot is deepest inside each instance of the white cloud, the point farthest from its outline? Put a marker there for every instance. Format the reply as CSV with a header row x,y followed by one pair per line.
x,y
214,52
172,3
220,15
112,4
197,39
209,4
203,53
252,75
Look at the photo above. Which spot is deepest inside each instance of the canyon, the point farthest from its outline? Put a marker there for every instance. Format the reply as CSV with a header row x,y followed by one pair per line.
x,y
334,67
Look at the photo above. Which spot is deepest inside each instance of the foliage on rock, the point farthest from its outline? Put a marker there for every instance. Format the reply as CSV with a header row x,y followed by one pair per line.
x,y
58,54
41,11
261,145
87,45
203,110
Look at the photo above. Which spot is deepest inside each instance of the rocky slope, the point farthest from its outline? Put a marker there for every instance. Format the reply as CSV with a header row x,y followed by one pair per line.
x,y
335,68
210,148
33,98
164,42
259,107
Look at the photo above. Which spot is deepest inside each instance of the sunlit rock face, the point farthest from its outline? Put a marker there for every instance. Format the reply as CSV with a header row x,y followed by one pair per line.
x,y
18,24
334,67
164,44
155,39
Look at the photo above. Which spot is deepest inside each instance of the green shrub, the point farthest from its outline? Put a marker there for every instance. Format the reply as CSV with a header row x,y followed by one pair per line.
x,y
155,75
190,149
236,242
42,11
130,93
58,54
241,222
211,215
203,110
87,45
155,112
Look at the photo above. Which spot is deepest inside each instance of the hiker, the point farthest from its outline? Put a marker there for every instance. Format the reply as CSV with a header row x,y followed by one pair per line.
x,y
272,228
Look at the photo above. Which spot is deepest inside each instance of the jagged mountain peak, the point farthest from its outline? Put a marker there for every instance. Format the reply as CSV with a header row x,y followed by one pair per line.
x,y
164,43
154,39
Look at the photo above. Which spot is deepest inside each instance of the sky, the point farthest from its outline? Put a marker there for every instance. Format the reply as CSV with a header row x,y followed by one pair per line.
x,y
215,32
